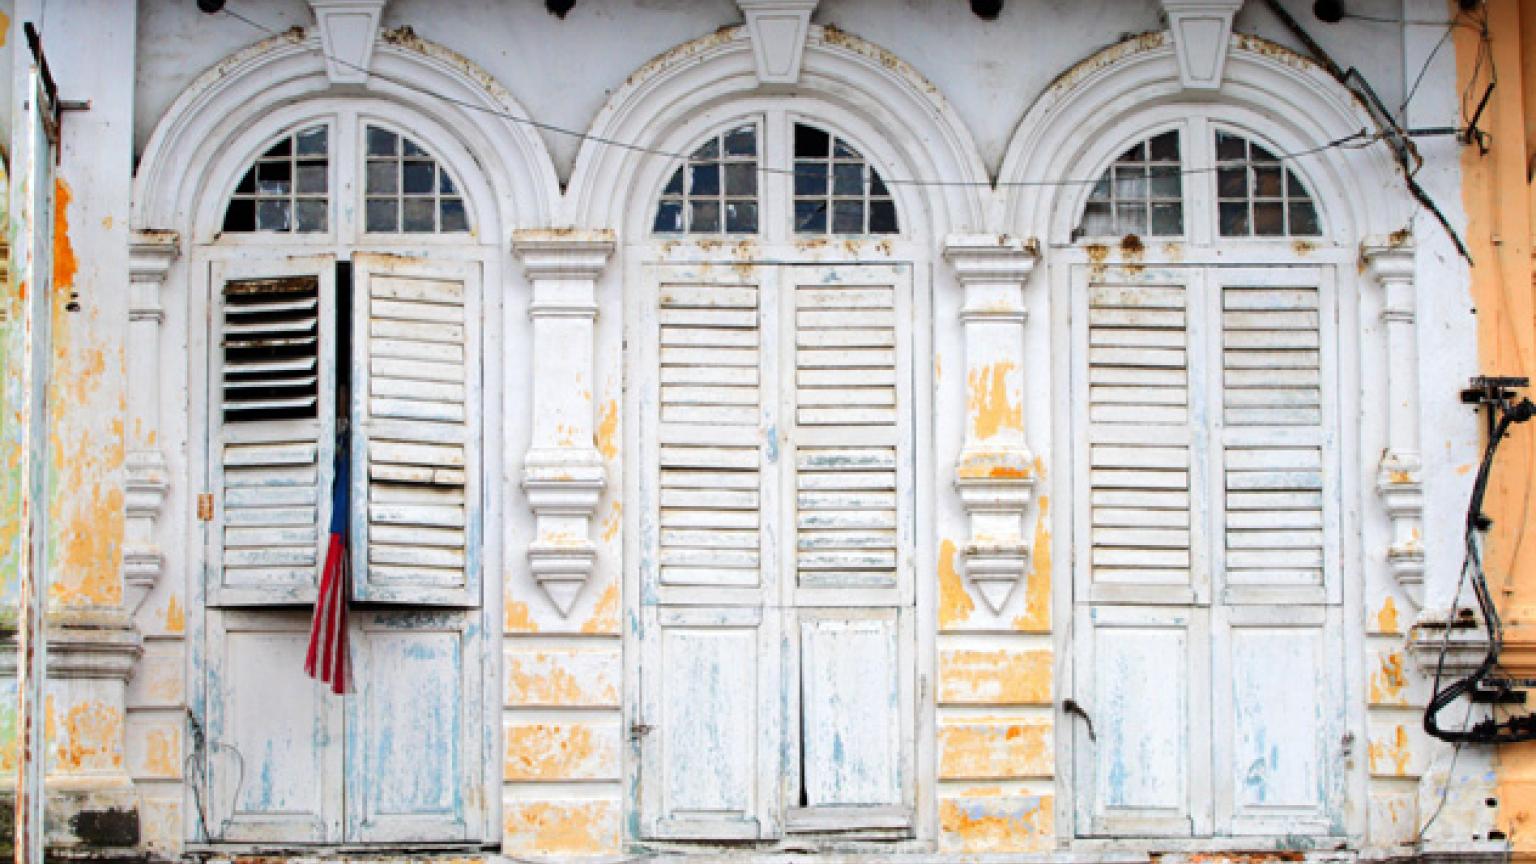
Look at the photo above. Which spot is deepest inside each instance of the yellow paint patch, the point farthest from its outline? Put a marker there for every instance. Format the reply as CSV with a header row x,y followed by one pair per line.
x,y
518,619
563,679
175,616
5,28
1386,619
988,749
1391,757
605,615
1010,823
1001,677
162,754
561,751
1389,681
991,411
607,436
561,827
92,738
1037,584
955,603
613,521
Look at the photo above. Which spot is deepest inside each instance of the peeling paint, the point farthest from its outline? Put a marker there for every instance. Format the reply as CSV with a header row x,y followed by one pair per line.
x,y
1019,823
1391,757
92,738
1389,681
991,409
1386,619
998,677
175,616
1037,583
607,436
561,827
518,619
563,679
605,615
955,603
561,751
991,749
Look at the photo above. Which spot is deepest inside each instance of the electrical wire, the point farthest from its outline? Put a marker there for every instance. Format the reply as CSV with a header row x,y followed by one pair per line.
x,y
1357,140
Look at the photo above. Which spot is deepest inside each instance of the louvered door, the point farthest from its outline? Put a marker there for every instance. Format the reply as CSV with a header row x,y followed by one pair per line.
x,y
1141,575
1206,552
1279,755
271,409
776,468
415,395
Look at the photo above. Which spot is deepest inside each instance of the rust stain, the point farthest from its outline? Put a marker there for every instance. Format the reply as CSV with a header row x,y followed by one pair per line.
x,y
562,827
1106,57
955,604
1131,249
1386,619
518,619
605,615
1303,247
1037,583
995,677
559,751
991,409
1098,256
1389,681
1245,857
607,437
5,28
64,264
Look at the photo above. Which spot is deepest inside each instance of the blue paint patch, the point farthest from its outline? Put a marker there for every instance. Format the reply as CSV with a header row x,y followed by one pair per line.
x,y
773,444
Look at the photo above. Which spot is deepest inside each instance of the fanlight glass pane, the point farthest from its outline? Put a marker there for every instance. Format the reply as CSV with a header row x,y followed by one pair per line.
x,y
287,189
1142,193
715,190
837,191
406,190
1257,195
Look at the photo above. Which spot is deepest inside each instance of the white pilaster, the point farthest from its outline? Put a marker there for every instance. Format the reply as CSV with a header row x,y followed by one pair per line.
x,y
995,476
1399,479
563,471
150,254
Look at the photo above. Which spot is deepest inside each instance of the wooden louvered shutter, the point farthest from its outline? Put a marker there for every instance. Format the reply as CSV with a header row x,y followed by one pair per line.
x,y
415,393
272,429
1143,482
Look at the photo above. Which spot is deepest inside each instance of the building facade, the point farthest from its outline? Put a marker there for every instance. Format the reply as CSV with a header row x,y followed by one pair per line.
x,y
869,429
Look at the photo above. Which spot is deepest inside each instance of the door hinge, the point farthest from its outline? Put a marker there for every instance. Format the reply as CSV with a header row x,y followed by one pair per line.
x,y
205,507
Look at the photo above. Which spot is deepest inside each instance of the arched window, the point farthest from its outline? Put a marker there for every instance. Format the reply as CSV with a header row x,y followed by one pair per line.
x,y
407,190
286,189
715,191
835,190
1257,195
1141,193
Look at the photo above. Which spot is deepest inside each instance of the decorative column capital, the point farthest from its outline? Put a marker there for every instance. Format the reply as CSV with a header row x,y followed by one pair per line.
x,y
1388,259
778,30
991,258
563,253
1201,31
150,255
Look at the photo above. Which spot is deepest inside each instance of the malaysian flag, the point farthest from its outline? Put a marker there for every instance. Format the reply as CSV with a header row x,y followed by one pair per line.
x,y
327,657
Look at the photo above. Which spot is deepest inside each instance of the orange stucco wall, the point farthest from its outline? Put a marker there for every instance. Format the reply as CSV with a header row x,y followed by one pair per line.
x,y
1500,203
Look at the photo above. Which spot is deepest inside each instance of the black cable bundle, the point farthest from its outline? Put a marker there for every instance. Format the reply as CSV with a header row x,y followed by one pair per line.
x,y
1489,731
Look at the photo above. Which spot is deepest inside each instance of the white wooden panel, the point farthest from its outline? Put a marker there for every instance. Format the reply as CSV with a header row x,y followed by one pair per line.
x,y
709,754
413,729
274,754
1279,720
415,460
852,716
271,421
1144,686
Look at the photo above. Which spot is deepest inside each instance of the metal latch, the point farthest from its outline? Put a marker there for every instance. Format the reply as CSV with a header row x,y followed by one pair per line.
x,y
640,730
205,507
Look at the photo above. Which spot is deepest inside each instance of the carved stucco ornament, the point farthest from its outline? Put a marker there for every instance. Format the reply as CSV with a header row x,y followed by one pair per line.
x,y
1201,30
778,29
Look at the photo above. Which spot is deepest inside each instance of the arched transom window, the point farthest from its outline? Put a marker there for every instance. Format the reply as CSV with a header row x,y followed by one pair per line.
x,y
1146,191
719,188
290,188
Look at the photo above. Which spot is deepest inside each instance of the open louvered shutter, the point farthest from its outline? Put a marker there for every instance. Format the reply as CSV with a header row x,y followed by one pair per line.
x,y
1142,480
415,393
271,418
1273,441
